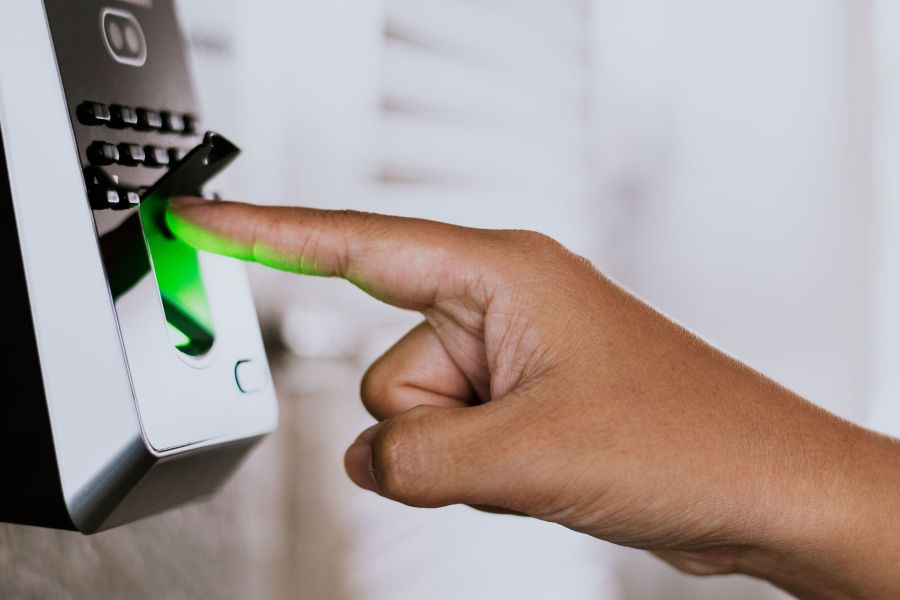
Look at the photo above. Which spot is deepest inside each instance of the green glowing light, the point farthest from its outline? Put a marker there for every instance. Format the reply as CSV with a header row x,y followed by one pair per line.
x,y
177,337
201,239
177,269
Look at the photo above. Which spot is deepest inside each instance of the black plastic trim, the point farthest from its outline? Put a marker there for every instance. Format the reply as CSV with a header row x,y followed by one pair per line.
x,y
31,489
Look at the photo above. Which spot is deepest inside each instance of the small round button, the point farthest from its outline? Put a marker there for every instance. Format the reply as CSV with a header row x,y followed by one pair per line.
x,y
190,125
105,199
123,117
172,122
156,156
176,154
250,376
132,198
93,113
148,119
102,154
131,154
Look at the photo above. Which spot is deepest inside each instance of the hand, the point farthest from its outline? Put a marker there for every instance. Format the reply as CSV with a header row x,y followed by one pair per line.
x,y
536,385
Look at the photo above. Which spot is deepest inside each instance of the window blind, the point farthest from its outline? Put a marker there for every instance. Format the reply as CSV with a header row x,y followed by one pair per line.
x,y
484,113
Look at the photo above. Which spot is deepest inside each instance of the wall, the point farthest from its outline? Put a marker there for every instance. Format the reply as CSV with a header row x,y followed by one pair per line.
x,y
740,144
885,322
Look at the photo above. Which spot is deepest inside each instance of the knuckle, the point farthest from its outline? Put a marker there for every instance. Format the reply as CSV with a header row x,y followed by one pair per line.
x,y
533,246
354,221
264,231
370,386
376,390
344,215
351,225
533,239
528,255
401,458
309,250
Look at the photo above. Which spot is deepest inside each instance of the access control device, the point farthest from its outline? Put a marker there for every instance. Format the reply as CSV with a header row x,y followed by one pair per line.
x,y
136,378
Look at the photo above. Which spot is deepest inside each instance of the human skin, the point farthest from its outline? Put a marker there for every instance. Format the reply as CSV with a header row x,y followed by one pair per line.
x,y
537,386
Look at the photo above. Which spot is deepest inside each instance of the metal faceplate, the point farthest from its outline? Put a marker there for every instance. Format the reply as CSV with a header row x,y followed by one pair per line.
x,y
131,56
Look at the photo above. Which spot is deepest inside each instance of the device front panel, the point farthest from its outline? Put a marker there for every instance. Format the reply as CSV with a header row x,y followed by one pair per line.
x,y
186,319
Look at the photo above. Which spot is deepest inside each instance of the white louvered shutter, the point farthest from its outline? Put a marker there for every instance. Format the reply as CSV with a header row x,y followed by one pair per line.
x,y
485,113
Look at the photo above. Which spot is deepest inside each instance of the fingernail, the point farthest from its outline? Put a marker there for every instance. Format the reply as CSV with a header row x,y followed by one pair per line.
x,y
186,201
358,463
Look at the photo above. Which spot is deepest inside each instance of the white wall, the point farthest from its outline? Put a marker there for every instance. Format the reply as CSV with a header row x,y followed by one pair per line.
x,y
750,218
886,316
733,141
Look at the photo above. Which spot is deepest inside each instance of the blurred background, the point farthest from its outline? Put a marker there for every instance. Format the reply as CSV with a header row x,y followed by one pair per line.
x,y
733,163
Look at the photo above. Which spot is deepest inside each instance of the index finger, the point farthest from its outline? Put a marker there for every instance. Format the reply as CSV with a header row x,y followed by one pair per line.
x,y
406,262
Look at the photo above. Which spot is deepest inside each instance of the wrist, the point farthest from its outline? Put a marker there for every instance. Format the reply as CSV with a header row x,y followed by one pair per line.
x,y
840,538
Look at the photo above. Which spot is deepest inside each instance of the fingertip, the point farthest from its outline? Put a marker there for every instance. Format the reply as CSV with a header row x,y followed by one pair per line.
x,y
183,216
180,202
193,221
185,211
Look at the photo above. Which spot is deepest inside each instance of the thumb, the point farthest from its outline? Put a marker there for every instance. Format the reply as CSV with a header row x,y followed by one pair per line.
x,y
434,456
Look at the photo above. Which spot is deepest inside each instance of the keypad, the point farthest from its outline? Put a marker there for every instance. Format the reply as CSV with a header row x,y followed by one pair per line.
x,y
138,137
172,122
123,117
132,198
94,113
131,155
103,153
156,156
176,154
190,125
149,120
106,198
